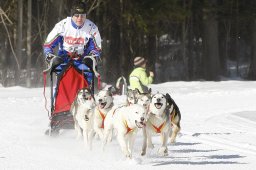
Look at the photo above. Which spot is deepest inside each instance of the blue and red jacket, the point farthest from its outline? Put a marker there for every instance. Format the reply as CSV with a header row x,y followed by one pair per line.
x,y
71,38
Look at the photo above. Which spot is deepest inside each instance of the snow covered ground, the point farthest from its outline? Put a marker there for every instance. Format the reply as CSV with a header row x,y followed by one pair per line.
x,y
218,132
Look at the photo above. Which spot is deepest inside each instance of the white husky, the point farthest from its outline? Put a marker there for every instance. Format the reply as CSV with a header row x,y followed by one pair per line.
x,y
158,123
125,120
82,111
104,101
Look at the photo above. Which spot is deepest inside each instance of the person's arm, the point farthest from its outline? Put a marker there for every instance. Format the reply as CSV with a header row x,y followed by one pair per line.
x,y
94,32
144,79
53,39
92,49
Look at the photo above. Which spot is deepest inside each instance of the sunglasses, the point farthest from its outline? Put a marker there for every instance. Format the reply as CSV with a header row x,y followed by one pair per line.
x,y
81,15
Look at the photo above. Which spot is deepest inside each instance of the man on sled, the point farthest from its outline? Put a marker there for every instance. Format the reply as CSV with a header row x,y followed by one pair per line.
x,y
79,47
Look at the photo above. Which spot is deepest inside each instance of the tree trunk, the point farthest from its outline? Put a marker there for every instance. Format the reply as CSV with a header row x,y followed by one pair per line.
x,y
224,46
183,51
113,59
19,41
28,82
60,17
151,56
252,71
121,39
211,62
5,55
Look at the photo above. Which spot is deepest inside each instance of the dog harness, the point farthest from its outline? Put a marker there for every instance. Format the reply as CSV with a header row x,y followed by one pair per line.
x,y
116,109
103,118
127,127
158,129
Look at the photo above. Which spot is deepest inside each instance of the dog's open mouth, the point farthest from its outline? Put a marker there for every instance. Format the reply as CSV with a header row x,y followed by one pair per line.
x,y
102,105
140,124
158,105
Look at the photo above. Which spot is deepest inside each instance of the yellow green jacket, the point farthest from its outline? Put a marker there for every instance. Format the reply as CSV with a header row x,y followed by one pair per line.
x,y
139,79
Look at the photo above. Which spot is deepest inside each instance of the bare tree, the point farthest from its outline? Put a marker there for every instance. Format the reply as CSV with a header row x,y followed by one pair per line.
x,y
29,14
19,41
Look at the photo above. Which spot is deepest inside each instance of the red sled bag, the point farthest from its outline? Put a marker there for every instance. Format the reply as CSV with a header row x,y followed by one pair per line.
x,y
69,81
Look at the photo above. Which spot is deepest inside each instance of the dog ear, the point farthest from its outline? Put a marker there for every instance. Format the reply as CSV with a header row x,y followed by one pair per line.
x,y
111,90
149,90
168,98
136,91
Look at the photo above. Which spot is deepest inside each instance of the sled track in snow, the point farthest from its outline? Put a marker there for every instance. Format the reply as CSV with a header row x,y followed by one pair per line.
x,y
222,143
245,125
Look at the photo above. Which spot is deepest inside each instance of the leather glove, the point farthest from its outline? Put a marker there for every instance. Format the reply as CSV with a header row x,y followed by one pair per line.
x,y
88,62
53,60
48,58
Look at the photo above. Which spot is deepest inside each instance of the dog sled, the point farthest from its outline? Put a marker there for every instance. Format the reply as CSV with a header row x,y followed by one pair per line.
x,y
69,80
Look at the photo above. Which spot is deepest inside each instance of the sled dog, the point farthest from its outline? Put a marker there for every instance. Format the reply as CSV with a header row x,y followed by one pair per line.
x,y
175,117
158,123
104,101
143,99
82,110
126,120
131,96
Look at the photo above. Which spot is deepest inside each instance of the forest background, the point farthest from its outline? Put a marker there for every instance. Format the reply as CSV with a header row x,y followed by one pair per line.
x,y
183,40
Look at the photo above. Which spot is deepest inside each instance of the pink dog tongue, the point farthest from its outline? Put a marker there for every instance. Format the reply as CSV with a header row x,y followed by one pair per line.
x,y
158,106
102,105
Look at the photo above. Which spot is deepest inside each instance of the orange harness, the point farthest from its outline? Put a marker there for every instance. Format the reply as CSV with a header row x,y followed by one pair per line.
x,y
158,129
127,127
103,118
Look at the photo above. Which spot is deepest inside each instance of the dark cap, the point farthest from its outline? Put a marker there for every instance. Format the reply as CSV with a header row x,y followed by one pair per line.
x,y
78,7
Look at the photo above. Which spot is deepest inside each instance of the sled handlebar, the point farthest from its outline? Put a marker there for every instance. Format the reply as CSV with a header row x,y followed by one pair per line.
x,y
94,64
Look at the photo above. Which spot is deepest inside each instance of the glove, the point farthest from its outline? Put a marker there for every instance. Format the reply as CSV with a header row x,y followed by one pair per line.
x,y
88,62
48,58
53,60
57,61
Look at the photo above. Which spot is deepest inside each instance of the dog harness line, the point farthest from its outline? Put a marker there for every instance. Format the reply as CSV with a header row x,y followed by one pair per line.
x,y
127,127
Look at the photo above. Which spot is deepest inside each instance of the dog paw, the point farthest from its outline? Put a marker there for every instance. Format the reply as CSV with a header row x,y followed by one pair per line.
x,y
143,153
163,151
129,156
109,139
172,141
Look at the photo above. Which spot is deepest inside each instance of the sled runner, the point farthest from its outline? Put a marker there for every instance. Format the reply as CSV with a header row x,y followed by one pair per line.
x,y
69,80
